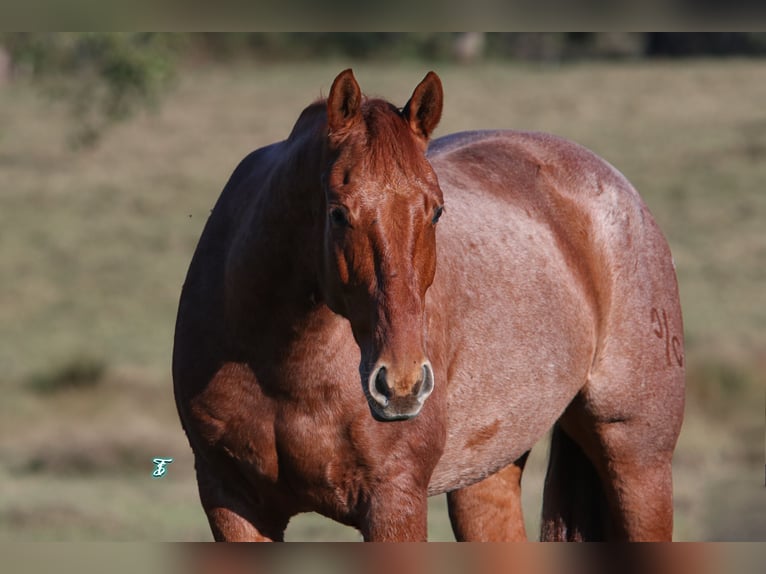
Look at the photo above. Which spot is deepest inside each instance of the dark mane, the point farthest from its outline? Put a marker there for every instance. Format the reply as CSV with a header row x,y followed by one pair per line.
x,y
311,118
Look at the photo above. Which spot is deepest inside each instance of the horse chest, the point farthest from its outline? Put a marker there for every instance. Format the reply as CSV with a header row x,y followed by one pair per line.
x,y
233,416
311,440
320,455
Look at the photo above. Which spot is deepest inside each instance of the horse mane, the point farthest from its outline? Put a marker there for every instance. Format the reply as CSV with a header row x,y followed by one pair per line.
x,y
309,120
389,137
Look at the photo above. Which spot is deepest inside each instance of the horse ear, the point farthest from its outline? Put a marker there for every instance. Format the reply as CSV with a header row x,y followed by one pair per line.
x,y
343,103
424,110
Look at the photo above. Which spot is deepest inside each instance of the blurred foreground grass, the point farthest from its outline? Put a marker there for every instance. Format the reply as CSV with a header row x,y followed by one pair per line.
x,y
95,245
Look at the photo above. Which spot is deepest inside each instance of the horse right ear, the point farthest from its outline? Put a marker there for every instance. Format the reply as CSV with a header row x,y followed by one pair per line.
x,y
424,110
343,103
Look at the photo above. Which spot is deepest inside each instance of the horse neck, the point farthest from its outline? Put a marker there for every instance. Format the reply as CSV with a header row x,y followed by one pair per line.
x,y
274,259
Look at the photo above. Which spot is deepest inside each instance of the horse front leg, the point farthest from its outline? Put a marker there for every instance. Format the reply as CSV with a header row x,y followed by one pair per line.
x,y
235,518
490,510
396,516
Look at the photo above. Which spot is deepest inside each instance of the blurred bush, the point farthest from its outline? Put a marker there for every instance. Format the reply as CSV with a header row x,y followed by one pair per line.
x,y
720,387
79,372
103,77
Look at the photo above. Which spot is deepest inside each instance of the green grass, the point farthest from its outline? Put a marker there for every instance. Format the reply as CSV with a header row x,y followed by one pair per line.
x,y
95,245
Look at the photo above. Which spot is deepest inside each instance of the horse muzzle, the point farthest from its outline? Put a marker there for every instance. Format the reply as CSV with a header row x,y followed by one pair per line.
x,y
398,396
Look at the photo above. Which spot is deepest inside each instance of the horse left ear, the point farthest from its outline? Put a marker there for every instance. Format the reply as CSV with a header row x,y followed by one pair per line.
x,y
424,110
344,103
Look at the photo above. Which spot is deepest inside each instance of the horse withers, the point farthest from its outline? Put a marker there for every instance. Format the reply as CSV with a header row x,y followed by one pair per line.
x,y
369,320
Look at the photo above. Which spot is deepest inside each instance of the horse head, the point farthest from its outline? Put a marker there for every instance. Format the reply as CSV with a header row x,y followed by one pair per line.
x,y
382,202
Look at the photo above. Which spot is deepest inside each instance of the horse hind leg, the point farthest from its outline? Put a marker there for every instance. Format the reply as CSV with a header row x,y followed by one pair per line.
x,y
609,478
490,510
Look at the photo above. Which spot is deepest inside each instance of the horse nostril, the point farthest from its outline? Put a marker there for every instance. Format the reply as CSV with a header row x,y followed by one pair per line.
x,y
426,384
381,385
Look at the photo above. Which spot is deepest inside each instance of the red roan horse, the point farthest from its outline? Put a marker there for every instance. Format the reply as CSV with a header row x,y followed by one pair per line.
x,y
336,351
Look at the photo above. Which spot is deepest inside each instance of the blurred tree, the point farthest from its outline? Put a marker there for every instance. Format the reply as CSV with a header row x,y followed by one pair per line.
x,y
680,44
103,77
469,46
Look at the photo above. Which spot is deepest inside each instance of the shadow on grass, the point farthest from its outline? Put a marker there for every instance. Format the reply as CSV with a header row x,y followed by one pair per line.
x,y
80,371
722,388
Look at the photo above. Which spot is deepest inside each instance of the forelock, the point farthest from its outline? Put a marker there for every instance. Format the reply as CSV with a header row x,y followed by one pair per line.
x,y
389,139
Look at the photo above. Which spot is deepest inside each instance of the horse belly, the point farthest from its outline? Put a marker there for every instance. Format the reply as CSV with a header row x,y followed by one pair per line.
x,y
522,335
508,426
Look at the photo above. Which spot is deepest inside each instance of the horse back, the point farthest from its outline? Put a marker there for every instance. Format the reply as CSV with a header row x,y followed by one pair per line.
x,y
596,219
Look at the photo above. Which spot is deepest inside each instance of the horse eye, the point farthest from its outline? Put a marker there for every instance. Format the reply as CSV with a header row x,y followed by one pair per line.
x,y
339,217
437,214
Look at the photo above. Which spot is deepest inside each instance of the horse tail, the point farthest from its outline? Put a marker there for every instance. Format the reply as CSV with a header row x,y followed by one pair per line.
x,y
574,502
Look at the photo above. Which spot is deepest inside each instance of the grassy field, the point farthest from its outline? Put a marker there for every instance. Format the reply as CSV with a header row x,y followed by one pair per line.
x,y
95,245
